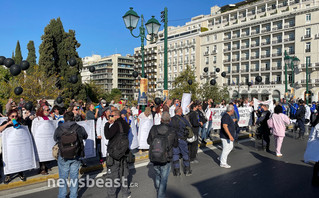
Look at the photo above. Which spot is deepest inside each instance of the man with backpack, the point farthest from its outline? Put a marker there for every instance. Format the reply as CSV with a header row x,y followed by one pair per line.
x,y
69,136
162,138
116,131
182,127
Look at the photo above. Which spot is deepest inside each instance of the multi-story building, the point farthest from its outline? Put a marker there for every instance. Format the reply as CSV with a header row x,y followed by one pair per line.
x,y
150,68
111,72
248,39
183,50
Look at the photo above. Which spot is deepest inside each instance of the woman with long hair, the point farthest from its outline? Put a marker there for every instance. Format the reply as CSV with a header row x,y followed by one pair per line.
x,y
158,115
12,114
278,123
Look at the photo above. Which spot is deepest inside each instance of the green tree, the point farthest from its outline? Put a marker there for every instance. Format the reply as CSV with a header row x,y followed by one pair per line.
x,y
35,85
181,84
214,92
5,78
94,92
32,58
18,55
56,49
115,95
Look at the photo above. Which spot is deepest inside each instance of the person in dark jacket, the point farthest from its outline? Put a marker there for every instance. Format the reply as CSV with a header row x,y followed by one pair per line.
x,y
117,169
263,128
195,122
300,116
162,170
179,123
69,166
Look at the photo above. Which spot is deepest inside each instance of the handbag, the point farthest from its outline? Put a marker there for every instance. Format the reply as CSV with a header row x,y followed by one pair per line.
x,y
55,151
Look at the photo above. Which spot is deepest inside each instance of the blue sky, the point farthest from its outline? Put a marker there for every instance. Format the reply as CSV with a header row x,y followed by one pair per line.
x,y
98,24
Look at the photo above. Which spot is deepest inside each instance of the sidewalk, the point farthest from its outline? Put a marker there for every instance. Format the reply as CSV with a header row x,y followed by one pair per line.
x,y
92,165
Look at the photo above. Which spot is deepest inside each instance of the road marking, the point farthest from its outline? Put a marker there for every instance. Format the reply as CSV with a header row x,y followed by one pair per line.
x,y
139,165
205,194
255,174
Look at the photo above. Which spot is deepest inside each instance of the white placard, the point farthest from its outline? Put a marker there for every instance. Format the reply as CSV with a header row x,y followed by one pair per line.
x,y
89,143
43,132
186,100
2,119
244,116
268,102
217,117
18,150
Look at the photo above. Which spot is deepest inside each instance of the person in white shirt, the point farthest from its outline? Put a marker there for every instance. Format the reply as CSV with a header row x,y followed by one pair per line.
x,y
307,119
158,115
145,120
172,108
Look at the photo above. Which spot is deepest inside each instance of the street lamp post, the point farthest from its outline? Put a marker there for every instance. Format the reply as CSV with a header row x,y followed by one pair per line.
x,y
294,63
152,26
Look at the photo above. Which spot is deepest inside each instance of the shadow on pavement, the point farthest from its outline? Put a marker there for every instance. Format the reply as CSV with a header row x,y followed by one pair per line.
x,y
269,178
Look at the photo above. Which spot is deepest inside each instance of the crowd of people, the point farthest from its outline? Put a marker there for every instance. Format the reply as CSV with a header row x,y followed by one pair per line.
x,y
166,131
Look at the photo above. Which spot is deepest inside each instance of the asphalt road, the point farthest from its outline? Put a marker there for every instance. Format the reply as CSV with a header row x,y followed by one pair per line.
x,y
254,173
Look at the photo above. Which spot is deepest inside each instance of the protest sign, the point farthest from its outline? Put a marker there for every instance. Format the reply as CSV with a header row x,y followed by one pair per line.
x,y
18,150
43,132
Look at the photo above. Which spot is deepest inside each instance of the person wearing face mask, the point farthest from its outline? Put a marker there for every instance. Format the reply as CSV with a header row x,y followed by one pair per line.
x,y
12,114
173,107
100,123
43,113
116,130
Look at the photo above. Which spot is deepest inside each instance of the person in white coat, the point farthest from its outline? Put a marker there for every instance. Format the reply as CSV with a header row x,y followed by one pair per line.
x,y
43,113
172,108
100,123
145,124
307,119
158,115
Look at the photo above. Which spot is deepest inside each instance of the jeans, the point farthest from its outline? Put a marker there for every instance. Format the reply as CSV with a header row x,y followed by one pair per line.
x,y
183,150
67,167
161,177
206,131
227,147
301,125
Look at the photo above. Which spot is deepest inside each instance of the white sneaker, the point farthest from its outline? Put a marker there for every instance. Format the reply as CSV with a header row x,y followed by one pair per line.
x,y
279,155
225,166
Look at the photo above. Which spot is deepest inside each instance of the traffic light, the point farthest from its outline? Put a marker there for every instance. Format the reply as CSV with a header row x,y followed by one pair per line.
x,y
163,16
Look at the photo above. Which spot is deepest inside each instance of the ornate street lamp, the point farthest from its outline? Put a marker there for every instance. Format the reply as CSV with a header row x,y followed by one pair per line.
x,y
131,20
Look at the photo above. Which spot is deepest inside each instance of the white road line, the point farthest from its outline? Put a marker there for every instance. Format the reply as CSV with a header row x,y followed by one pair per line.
x,y
139,165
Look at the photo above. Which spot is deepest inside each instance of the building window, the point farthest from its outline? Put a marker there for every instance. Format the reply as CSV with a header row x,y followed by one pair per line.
x,y
278,78
308,32
207,38
207,60
308,60
215,37
215,59
308,46
308,17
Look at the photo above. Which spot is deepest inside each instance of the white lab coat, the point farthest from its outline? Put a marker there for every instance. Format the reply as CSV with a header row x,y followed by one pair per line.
x,y
145,126
100,123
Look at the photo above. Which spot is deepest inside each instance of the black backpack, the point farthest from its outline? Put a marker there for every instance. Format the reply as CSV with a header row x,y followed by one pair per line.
x,y
70,145
120,145
159,148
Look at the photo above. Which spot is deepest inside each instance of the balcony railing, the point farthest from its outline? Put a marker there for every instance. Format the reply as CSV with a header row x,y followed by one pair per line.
x,y
276,54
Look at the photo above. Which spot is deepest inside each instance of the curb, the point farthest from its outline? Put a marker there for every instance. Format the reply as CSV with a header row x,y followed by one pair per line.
x,y
89,169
